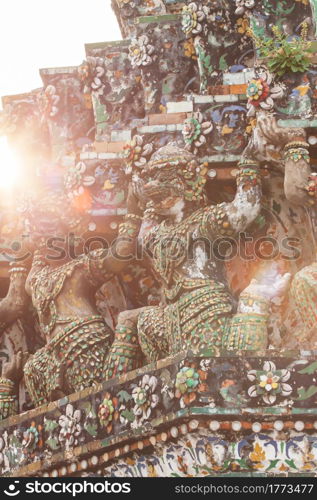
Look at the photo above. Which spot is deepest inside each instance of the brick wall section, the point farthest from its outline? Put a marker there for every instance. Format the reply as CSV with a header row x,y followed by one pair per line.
x,y
238,89
167,118
219,90
227,89
109,147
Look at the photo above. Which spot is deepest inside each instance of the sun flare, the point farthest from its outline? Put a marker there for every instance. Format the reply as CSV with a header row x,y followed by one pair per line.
x,y
9,166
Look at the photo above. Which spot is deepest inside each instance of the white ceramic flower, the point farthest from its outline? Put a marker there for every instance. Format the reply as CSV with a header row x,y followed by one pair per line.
x,y
70,427
243,6
97,72
192,16
136,153
145,399
141,51
269,382
76,180
205,364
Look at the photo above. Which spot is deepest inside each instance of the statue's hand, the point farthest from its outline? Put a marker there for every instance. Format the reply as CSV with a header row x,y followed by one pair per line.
x,y
270,283
13,370
277,135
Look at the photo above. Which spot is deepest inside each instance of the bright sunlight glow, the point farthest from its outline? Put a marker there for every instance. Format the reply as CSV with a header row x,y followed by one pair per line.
x,y
9,166
41,34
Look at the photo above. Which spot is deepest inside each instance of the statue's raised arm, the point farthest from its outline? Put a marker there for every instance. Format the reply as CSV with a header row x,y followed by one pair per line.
x,y
104,263
229,219
299,182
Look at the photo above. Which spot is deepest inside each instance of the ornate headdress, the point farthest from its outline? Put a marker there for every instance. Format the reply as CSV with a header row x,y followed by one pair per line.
x,y
49,203
184,163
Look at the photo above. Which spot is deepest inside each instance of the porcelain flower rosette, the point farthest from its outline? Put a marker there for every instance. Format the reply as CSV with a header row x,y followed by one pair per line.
x,y
145,399
92,73
192,16
136,153
269,382
71,427
141,51
77,179
195,130
262,92
244,6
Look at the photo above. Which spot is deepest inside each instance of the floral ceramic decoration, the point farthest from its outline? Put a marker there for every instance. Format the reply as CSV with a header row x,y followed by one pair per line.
x,y
49,102
108,412
138,403
192,16
261,94
4,463
136,153
269,383
31,437
76,180
195,131
71,428
198,455
141,51
178,62
145,399
244,6
92,74
190,381
12,452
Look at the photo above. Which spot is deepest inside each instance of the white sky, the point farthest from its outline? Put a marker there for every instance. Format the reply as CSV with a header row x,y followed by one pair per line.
x,y
38,34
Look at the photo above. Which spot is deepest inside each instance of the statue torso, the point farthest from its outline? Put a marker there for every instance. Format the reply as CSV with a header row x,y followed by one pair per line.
x,y
57,304
181,256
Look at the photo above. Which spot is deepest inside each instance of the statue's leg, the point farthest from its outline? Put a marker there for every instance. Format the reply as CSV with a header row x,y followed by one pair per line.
x,y
125,353
304,293
36,377
82,353
70,362
44,377
152,333
197,320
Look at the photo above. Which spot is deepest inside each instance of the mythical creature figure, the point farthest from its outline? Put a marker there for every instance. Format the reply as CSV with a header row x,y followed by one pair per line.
x,y
300,187
197,310
61,289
